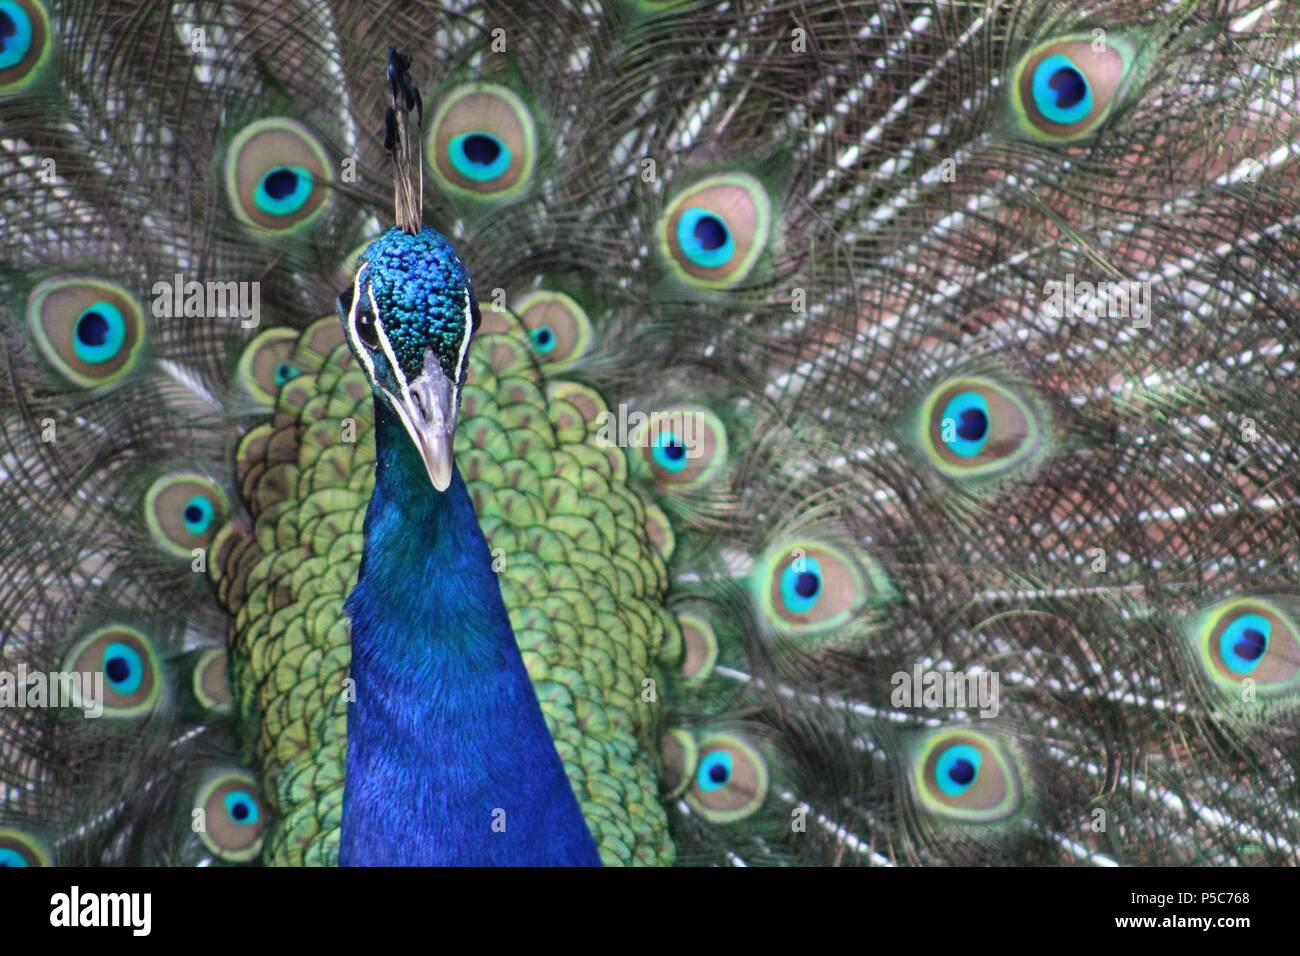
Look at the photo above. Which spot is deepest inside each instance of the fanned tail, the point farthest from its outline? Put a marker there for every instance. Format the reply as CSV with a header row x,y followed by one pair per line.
x,y
834,359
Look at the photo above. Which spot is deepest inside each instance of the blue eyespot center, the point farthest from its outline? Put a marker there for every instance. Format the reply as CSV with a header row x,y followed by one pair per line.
x,y
283,190
99,333
1061,91
974,425
801,585
807,584
481,149
957,769
1251,645
715,771
669,453
961,772
479,156
704,238
1243,642
242,807
965,424
92,329
15,34
1070,87
284,372
280,183
198,514
710,232
11,857
123,667
543,338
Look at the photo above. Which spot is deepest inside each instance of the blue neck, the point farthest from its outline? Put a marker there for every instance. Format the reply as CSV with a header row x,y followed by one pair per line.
x,y
449,759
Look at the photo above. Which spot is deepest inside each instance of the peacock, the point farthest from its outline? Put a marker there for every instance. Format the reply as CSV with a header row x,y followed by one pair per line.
x,y
648,432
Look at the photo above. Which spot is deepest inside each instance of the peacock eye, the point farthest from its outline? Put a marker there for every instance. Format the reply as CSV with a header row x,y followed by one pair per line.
x,y
19,849
284,372
241,808
483,142
806,586
24,43
557,326
367,330
123,667
183,511
234,816
800,588
966,775
276,175
978,428
1253,639
126,659
99,332
264,365
91,330
730,780
715,771
1064,89
681,447
543,338
712,233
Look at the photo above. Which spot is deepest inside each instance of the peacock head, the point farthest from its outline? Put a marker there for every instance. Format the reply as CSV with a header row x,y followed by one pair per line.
x,y
409,317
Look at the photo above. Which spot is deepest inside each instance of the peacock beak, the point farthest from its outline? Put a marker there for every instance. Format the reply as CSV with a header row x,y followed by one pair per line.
x,y
428,412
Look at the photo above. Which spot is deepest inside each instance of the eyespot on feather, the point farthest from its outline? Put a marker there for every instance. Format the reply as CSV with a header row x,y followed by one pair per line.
x,y
19,849
482,143
976,428
1248,639
681,447
266,364
714,231
730,779
234,816
132,676
557,327
677,757
25,44
1063,90
210,681
183,511
277,176
965,776
806,586
700,644
92,331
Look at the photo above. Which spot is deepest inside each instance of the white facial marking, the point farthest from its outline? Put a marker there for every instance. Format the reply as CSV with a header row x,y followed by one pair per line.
x,y
357,345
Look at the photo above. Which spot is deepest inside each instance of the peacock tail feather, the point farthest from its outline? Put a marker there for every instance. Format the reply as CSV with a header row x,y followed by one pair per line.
x,y
824,347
